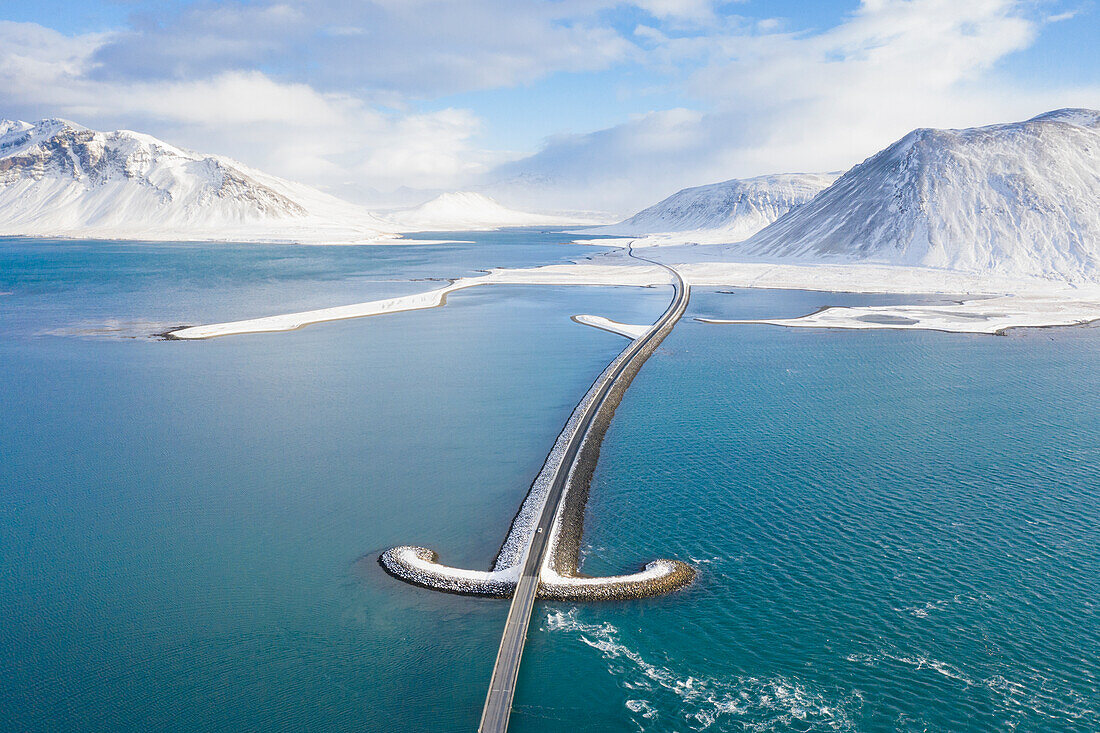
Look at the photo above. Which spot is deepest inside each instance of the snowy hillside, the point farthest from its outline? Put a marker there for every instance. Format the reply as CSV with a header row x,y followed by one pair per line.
x,y
728,211
1019,199
465,210
60,179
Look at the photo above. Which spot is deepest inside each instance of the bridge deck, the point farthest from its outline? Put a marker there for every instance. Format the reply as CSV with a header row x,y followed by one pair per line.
x,y
502,685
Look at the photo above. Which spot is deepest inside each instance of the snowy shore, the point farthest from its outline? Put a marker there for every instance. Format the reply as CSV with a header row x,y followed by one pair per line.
x,y
552,275
630,330
987,315
999,303
994,305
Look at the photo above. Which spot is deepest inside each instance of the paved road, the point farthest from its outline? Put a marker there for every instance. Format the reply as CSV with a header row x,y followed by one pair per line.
x,y
502,686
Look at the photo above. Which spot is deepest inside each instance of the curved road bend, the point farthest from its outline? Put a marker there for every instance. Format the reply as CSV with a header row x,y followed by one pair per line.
x,y
502,685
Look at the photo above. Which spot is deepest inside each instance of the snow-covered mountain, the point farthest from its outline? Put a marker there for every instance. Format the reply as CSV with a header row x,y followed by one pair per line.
x,y
1020,199
466,210
58,178
728,211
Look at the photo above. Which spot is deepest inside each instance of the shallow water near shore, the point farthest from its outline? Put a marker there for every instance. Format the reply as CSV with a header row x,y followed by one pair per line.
x,y
894,530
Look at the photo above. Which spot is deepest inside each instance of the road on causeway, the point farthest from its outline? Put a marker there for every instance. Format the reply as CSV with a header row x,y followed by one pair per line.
x,y
502,685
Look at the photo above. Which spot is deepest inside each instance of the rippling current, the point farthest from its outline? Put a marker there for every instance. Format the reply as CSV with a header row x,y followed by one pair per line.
x,y
894,530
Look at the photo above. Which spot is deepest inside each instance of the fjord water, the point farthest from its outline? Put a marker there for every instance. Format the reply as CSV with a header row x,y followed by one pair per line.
x,y
189,531
894,530
71,287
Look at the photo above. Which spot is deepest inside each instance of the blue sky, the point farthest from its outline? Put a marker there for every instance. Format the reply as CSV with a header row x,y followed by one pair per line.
x,y
590,104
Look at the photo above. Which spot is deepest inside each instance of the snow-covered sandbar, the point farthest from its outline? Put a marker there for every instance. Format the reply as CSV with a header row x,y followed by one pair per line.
x,y
630,330
994,305
551,275
998,303
986,315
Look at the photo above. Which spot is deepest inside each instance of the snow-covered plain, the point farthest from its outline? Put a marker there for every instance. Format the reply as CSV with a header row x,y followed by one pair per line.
x,y
988,303
985,315
612,274
1008,302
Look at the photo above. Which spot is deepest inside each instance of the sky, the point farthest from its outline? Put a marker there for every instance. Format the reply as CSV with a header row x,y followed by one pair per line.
x,y
553,105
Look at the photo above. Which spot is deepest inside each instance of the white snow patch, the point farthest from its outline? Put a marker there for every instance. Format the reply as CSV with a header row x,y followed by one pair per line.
x,y
550,275
409,556
986,315
630,330
652,571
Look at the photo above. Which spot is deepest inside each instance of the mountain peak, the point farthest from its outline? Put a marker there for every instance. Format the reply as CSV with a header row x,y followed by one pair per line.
x,y
468,210
731,210
1018,199
59,178
7,126
1078,116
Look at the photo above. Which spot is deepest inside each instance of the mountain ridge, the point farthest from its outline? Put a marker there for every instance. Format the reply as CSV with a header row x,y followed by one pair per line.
x,y
1017,199
736,208
59,178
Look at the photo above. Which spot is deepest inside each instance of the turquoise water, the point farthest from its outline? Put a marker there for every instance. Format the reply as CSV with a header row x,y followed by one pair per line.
x,y
893,530
127,289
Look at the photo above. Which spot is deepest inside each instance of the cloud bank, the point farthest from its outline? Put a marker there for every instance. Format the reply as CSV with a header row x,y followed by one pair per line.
x,y
351,97
778,101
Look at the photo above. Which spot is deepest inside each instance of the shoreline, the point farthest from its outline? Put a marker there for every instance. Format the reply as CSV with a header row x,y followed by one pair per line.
x,y
986,316
1007,303
299,320
628,330
549,275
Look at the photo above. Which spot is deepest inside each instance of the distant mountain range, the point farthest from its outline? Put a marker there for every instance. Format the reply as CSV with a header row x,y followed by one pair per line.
x,y
730,211
466,210
1018,199
1015,199
58,178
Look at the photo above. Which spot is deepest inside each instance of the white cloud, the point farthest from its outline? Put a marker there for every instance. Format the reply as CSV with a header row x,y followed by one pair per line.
x,y
782,101
1059,17
693,9
332,140
414,47
335,103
